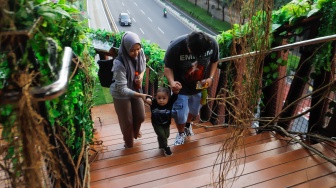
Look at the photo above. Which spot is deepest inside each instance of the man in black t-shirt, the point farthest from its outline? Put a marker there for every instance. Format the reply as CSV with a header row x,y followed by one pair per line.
x,y
189,59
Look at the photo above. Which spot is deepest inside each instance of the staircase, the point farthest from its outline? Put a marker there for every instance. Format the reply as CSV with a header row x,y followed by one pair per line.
x,y
268,160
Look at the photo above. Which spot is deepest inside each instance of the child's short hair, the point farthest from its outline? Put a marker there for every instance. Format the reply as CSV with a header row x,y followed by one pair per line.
x,y
164,89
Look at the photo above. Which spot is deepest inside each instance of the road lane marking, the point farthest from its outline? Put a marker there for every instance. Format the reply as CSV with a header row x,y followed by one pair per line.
x,y
142,31
142,12
150,19
160,30
108,12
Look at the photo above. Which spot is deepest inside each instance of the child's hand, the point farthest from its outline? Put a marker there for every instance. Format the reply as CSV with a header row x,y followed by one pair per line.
x,y
176,91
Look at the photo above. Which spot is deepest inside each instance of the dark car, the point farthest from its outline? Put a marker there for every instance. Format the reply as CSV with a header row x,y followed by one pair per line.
x,y
125,19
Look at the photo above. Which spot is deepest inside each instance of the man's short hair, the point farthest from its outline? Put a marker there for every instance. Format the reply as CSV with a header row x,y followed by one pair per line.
x,y
198,43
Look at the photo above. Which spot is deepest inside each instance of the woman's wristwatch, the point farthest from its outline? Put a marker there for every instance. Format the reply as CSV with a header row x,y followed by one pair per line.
x,y
211,77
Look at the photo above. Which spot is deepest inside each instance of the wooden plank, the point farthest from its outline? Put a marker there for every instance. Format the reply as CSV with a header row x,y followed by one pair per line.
x,y
182,161
326,181
265,169
214,137
293,177
149,142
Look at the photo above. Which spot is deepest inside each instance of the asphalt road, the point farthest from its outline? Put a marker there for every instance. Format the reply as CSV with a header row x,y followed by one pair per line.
x,y
97,16
148,21
147,18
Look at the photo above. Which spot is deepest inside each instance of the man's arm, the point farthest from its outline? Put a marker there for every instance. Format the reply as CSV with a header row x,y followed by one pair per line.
x,y
213,68
174,85
168,72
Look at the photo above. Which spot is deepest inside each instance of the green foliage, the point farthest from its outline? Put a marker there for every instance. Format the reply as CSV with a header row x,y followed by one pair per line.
x,y
104,36
153,52
293,62
322,58
65,25
292,12
202,15
71,110
155,62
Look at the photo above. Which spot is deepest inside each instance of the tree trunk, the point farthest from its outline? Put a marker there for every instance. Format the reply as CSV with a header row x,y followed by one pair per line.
x,y
208,1
223,13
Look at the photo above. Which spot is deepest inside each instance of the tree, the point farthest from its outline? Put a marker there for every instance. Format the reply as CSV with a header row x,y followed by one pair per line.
x,y
218,2
225,4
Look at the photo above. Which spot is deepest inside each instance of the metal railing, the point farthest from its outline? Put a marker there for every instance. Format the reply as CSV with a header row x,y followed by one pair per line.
x,y
283,47
47,92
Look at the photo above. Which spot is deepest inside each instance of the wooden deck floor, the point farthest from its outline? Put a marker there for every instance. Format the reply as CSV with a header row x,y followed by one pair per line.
x,y
268,162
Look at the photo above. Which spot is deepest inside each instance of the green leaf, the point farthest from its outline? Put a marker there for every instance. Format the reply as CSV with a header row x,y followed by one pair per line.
x,y
75,100
275,75
275,27
283,63
10,153
279,60
298,30
273,55
274,66
267,69
49,16
283,33
62,12
55,113
312,12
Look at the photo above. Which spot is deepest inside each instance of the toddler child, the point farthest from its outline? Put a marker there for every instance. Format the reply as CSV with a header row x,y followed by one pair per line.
x,y
161,110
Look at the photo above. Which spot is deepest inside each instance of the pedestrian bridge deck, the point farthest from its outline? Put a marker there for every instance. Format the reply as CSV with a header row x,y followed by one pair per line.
x,y
269,160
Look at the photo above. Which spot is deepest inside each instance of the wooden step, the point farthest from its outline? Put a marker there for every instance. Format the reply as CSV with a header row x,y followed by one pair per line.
x,y
267,160
115,147
287,168
140,153
326,181
181,160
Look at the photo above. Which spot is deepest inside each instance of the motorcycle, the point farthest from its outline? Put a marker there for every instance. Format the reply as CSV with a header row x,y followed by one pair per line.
x,y
165,14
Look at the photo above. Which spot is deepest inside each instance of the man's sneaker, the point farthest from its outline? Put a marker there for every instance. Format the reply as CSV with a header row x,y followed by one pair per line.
x,y
188,131
167,151
179,139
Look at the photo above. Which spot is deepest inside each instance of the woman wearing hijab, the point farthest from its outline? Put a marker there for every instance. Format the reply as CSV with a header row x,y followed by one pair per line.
x,y
128,98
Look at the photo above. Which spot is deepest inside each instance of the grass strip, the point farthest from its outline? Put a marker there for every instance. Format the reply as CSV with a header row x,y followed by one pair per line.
x,y
202,15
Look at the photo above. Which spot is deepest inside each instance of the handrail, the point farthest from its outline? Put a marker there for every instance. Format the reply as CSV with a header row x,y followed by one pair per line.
x,y
48,92
283,47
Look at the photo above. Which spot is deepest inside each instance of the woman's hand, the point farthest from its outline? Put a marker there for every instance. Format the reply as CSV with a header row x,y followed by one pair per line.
x,y
148,100
138,81
145,96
